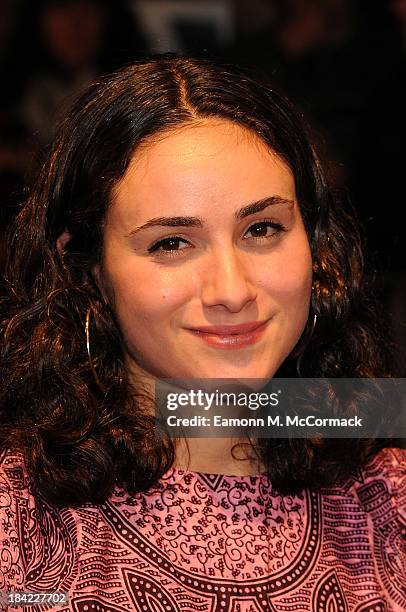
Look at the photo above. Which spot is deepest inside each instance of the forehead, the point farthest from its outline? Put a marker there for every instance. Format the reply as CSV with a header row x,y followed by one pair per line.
x,y
197,166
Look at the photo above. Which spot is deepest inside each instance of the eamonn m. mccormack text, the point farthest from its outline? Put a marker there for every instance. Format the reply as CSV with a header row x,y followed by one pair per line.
x,y
312,421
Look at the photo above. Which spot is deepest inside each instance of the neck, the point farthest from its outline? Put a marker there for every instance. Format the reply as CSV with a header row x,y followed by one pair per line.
x,y
208,455
215,456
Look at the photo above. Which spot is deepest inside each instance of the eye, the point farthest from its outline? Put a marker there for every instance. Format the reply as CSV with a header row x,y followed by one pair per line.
x,y
168,246
263,230
172,245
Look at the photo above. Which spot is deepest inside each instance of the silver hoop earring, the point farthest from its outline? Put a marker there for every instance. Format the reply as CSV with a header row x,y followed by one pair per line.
x,y
314,324
89,356
299,358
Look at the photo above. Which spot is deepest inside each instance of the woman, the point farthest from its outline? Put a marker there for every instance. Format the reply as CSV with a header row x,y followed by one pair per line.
x,y
182,228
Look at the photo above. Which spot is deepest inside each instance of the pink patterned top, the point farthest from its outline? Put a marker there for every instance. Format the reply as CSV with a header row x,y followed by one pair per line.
x,y
201,542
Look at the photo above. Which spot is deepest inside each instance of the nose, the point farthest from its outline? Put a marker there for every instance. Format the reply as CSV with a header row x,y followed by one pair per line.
x,y
227,281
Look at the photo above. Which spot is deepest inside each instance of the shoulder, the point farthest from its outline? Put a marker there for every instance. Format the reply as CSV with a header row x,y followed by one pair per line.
x,y
372,501
388,466
380,489
390,459
13,472
15,482
39,542
382,478
15,499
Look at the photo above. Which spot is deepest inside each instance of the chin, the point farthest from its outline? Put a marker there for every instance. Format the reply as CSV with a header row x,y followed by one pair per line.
x,y
236,373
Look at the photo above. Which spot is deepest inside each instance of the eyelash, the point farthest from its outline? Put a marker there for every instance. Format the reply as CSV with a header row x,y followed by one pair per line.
x,y
156,250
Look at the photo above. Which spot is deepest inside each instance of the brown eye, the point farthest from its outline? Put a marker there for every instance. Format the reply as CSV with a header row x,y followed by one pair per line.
x,y
168,246
265,229
259,230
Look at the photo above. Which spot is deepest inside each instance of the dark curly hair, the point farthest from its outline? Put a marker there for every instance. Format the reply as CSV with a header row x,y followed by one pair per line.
x,y
81,434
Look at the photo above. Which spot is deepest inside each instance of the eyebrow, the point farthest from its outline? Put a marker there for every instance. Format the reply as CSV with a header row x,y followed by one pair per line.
x,y
241,213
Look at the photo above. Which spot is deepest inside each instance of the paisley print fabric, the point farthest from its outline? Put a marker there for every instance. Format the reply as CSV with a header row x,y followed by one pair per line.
x,y
206,543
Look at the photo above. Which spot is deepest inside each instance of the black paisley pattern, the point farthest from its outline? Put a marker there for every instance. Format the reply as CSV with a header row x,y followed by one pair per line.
x,y
207,543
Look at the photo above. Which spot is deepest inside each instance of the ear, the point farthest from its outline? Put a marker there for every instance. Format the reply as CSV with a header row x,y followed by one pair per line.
x,y
62,241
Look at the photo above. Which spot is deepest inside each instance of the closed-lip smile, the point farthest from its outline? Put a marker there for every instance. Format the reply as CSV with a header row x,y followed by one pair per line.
x,y
225,330
230,336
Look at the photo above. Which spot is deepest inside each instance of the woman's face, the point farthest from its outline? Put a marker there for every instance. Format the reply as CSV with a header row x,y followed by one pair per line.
x,y
204,231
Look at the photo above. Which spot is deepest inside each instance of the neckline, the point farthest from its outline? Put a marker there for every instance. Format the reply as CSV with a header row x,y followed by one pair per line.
x,y
215,476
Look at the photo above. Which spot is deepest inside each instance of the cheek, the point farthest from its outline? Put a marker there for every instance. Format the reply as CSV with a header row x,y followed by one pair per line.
x,y
291,288
145,295
289,279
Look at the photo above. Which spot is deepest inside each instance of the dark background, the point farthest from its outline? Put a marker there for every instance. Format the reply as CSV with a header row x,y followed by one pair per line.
x,y
341,61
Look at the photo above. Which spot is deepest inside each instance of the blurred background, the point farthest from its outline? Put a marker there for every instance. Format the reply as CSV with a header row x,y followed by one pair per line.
x,y
341,61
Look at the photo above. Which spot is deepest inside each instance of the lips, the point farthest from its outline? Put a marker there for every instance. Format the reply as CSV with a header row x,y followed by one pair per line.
x,y
226,330
231,336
